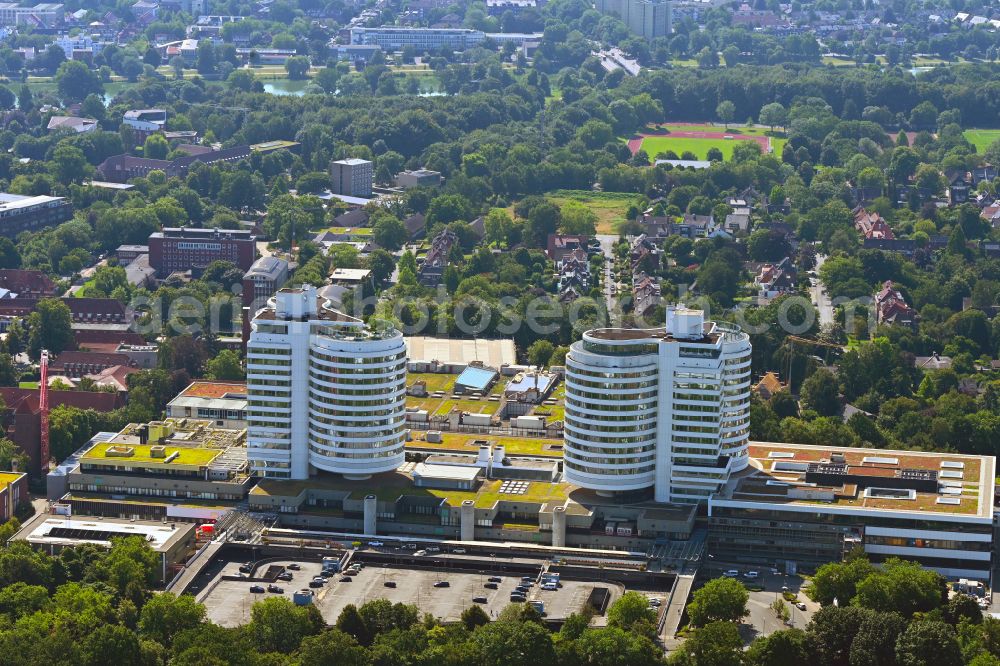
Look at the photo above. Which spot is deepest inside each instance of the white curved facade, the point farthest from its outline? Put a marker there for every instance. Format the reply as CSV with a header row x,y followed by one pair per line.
x,y
665,408
324,392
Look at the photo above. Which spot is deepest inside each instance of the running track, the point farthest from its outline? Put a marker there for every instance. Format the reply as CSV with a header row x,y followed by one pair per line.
x,y
636,142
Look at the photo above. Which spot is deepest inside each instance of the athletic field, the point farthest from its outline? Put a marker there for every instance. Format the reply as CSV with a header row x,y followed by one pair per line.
x,y
699,139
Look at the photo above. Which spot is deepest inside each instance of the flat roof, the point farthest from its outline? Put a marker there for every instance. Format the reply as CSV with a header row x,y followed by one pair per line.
x,y
446,472
523,381
215,389
7,478
66,531
965,482
142,454
350,274
458,351
476,378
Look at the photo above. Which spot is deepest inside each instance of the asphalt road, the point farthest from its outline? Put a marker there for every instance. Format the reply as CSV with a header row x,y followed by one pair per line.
x,y
820,298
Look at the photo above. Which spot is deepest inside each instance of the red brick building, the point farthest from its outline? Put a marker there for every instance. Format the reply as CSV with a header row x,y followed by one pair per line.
x,y
187,249
23,421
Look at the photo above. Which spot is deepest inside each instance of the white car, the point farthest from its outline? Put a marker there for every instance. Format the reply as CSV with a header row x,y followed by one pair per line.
x,y
459,551
375,544
732,573
801,606
549,587
420,553
751,574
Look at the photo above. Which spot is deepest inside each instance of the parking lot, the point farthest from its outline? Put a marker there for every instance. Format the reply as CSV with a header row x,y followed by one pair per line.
x,y
761,620
229,602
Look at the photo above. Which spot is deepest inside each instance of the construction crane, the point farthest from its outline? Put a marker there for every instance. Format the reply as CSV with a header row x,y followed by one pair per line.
x,y
791,340
43,408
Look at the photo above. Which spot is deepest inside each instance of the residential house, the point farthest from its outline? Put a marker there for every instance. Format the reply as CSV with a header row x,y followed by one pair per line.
x,y
768,386
933,362
871,225
431,269
573,275
891,308
560,245
77,125
76,364
959,185
416,226
776,279
646,293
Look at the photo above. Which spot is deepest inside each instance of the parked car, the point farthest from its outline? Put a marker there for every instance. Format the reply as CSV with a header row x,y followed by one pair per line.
x,y
420,553
527,579
459,551
732,573
317,583
375,544
479,600
518,598
801,606
433,549
293,566
246,568
490,586
346,579
495,579
257,589
285,576
442,583
389,583
275,589
751,574
549,587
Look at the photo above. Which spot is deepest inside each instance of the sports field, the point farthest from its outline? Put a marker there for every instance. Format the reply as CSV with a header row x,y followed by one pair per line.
x,y
699,139
981,138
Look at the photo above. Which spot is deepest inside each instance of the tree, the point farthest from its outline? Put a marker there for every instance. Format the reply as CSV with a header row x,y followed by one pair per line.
x,y
928,643
720,599
875,642
715,644
498,226
225,365
74,81
381,264
612,646
821,393
51,327
543,220
773,114
69,164
768,245
241,79
130,561
903,587
155,147
9,256
278,625
351,623
630,610
111,644
726,111
514,643
327,79
332,648
577,219
297,67
838,580
165,615
205,61
540,352
388,231
788,646
833,629
473,617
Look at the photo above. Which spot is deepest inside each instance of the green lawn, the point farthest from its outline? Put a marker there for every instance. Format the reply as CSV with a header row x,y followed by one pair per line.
x,y
982,138
609,207
653,145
